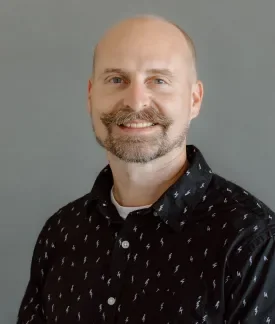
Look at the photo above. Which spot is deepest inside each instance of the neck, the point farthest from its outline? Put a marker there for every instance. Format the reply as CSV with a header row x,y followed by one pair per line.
x,y
142,184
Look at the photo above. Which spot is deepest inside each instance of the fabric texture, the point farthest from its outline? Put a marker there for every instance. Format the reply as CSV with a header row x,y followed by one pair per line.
x,y
203,253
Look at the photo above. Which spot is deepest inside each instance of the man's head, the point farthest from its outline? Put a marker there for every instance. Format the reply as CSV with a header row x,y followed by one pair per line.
x,y
144,90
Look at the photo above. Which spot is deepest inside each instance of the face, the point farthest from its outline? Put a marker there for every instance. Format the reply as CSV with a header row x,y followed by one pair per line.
x,y
140,97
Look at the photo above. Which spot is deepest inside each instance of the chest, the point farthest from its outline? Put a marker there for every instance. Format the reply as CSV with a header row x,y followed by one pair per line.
x,y
135,275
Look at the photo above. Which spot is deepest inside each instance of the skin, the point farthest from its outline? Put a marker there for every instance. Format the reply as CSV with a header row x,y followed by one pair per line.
x,y
143,73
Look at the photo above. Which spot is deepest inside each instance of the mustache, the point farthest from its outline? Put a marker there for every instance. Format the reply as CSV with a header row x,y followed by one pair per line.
x,y
127,115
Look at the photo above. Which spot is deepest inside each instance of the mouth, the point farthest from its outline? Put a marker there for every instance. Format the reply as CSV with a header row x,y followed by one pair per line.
x,y
137,125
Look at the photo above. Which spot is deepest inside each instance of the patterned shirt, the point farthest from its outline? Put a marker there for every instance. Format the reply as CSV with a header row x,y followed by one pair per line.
x,y
202,253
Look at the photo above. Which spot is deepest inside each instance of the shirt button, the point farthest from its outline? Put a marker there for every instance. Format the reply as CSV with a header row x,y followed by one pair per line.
x,y
111,301
125,244
155,213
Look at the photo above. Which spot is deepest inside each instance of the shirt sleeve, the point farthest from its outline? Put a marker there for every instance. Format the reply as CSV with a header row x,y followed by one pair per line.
x,y
31,308
250,296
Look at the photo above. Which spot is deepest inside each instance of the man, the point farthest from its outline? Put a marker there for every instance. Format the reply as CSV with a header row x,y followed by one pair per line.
x,y
160,238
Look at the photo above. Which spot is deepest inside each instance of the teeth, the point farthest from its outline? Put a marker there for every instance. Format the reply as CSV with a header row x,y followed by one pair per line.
x,y
138,125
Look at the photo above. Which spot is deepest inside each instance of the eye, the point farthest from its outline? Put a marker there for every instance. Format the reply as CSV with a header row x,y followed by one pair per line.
x,y
115,80
160,81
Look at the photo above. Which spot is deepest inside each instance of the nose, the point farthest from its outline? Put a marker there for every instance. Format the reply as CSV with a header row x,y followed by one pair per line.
x,y
137,96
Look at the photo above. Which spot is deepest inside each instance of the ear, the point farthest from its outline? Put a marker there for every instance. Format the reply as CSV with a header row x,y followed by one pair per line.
x,y
89,106
197,93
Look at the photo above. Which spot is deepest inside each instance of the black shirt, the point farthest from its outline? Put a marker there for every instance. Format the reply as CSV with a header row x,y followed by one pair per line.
x,y
203,253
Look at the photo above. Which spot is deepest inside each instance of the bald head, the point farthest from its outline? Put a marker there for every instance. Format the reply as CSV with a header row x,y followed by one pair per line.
x,y
153,28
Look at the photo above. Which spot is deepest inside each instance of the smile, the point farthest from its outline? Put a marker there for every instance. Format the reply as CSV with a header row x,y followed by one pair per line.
x,y
137,125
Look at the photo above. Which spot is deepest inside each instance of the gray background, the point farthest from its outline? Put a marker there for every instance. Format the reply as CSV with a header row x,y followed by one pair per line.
x,y
48,153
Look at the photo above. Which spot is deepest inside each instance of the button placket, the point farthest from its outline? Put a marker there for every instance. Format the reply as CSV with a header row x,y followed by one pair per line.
x,y
118,266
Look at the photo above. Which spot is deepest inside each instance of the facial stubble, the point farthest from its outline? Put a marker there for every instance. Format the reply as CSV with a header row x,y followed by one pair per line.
x,y
139,148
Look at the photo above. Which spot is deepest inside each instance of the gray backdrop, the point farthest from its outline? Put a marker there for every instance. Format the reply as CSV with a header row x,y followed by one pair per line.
x,y
48,154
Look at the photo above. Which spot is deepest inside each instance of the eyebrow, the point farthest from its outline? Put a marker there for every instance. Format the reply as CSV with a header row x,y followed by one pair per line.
x,y
165,72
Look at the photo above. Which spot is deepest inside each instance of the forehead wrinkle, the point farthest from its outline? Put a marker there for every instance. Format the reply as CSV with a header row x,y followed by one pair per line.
x,y
187,44
162,71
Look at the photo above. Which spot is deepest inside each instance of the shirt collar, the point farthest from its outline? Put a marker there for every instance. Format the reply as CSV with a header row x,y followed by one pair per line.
x,y
175,206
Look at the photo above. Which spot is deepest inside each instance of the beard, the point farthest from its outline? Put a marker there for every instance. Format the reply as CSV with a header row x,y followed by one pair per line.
x,y
140,148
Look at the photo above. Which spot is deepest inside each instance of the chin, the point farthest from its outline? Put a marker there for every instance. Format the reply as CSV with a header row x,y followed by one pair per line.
x,y
136,154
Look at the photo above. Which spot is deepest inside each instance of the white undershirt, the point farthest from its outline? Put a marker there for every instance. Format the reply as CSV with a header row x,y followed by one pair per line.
x,y
124,211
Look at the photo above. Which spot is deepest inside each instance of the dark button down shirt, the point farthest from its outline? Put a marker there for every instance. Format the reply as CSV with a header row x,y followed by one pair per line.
x,y
203,253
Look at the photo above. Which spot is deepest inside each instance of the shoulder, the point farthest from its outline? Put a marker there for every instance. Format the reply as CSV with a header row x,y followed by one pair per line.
x,y
240,221
67,215
231,199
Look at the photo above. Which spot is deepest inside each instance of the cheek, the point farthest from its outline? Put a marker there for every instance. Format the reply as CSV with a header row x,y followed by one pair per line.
x,y
176,108
179,112
101,105
181,115
95,118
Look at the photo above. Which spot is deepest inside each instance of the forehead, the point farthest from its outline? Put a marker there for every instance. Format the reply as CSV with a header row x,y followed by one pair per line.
x,y
138,49
133,61
147,58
